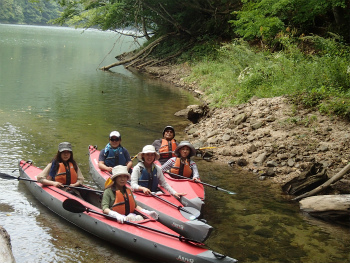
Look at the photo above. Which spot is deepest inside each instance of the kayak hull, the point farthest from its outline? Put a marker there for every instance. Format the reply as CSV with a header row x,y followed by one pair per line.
x,y
162,247
195,193
168,214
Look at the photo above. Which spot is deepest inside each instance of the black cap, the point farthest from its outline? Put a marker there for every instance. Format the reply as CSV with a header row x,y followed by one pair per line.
x,y
169,128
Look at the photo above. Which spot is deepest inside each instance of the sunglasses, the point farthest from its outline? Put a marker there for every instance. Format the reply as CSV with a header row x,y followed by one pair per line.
x,y
114,140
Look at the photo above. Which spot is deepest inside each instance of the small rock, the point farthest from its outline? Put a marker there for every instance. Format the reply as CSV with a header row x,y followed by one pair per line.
x,y
226,137
323,148
290,162
242,162
271,164
256,125
260,159
252,148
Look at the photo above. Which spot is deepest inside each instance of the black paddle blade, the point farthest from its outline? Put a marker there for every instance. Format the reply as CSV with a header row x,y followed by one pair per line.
x,y
7,176
73,206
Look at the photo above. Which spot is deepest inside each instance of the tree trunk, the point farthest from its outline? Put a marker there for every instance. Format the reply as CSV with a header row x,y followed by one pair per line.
x,y
306,181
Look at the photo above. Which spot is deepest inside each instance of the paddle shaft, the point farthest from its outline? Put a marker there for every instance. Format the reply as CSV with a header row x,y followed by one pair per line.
x,y
80,209
7,176
166,201
213,186
170,203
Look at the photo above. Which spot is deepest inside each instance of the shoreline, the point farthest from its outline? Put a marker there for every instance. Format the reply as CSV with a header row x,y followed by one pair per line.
x,y
269,137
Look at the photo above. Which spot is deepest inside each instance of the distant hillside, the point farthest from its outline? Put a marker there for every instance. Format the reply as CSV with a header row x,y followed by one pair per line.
x,y
28,12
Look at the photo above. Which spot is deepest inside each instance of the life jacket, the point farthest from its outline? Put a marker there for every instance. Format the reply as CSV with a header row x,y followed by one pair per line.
x,y
149,180
166,149
180,168
114,158
124,203
66,174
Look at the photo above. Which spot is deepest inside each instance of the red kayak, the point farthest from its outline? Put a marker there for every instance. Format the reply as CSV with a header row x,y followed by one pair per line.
x,y
194,191
171,212
147,237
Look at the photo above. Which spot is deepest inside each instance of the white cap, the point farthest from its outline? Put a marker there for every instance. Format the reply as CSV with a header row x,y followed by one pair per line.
x,y
114,133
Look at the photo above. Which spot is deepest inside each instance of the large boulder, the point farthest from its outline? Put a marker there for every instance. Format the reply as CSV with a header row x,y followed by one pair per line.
x,y
193,112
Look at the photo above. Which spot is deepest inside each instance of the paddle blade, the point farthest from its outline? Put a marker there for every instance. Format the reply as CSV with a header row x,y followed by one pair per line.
x,y
7,176
73,206
227,191
190,213
108,182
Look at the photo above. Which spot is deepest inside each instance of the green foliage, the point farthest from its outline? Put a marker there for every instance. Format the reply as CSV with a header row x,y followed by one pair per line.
x,y
194,18
264,19
239,72
27,12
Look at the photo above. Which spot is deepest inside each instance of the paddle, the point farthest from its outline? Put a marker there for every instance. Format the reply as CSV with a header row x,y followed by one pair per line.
x,y
199,182
134,157
191,215
7,176
75,206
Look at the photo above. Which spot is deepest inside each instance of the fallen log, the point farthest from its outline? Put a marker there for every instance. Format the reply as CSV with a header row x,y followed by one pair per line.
x,y
150,46
334,208
335,178
307,180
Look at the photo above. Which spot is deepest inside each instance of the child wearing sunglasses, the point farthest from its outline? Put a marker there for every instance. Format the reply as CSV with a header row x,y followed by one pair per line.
x,y
114,154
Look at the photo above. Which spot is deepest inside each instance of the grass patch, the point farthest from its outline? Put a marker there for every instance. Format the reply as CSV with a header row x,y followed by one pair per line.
x,y
238,72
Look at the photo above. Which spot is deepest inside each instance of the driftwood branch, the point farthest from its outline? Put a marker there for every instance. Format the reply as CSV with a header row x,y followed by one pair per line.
x,y
167,58
150,46
335,178
138,60
154,62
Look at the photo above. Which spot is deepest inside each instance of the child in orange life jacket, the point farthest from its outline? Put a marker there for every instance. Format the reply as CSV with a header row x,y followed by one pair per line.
x,y
167,145
146,176
118,201
182,164
63,170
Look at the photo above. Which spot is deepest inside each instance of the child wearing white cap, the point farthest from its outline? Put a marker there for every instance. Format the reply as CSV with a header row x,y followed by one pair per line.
x,y
114,154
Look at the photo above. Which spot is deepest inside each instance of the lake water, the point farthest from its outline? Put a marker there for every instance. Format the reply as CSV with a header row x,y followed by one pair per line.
x,y
51,90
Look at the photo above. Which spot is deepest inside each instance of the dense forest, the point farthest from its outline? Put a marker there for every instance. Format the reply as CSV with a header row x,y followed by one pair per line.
x,y
28,12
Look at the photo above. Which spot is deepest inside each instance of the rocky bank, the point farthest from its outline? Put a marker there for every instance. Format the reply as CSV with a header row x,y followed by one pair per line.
x,y
269,137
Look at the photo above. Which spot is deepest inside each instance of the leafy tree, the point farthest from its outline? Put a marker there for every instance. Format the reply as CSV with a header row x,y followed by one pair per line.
x,y
264,19
6,10
28,12
191,17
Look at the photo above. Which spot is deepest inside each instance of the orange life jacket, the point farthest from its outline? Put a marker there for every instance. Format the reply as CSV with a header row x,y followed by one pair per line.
x,y
62,174
124,203
166,149
180,168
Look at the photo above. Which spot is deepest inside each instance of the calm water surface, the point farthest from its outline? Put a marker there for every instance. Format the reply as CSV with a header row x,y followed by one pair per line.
x,y
52,91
